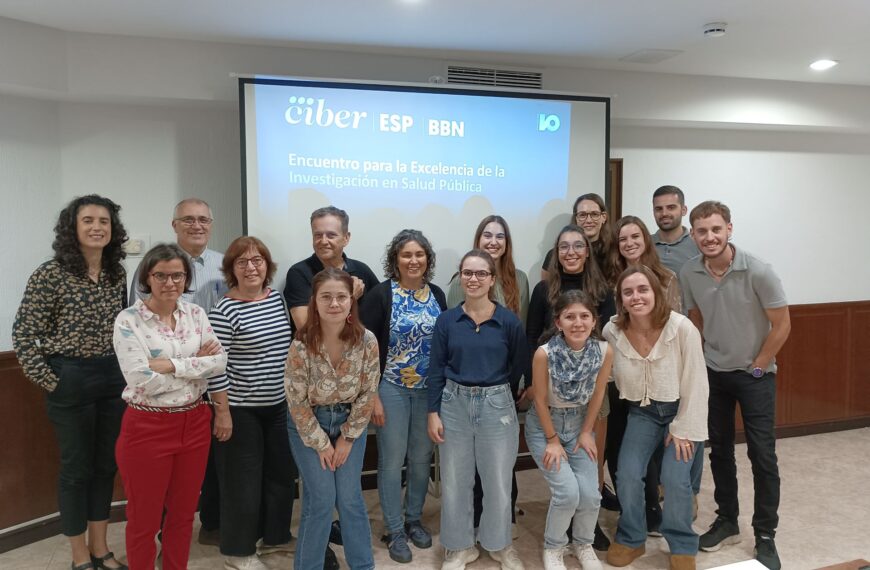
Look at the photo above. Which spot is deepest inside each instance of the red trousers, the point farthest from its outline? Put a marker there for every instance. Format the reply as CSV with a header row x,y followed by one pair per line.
x,y
162,460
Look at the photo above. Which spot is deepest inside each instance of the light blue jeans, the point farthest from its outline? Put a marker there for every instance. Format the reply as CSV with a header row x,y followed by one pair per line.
x,y
480,430
646,430
404,434
574,487
324,490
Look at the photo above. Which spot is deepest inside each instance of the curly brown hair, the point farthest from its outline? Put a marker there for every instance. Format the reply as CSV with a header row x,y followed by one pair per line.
x,y
67,250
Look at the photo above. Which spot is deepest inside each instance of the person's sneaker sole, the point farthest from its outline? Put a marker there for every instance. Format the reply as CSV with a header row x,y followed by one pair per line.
x,y
734,539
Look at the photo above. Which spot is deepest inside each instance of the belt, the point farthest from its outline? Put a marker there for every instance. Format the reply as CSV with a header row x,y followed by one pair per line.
x,y
168,410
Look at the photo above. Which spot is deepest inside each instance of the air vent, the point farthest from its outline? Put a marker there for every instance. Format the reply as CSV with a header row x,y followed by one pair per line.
x,y
468,75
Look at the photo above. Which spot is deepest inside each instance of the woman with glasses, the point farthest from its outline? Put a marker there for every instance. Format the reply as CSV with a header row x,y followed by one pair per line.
x,y
590,214
511,289
331,381
573,267
63,339
478,357
167,351
401,311
254,465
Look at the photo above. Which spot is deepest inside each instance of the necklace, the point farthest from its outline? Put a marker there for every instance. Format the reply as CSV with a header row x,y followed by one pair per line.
x,y
716,273
476,323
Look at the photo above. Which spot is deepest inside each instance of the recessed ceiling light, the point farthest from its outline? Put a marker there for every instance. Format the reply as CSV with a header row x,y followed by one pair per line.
x,y
823,64
714,29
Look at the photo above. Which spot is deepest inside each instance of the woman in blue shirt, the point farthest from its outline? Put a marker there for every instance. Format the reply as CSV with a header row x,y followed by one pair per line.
x,y
401,312
479,353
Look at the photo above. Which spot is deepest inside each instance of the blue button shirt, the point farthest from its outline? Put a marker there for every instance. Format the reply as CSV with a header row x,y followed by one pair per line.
x,y
495,354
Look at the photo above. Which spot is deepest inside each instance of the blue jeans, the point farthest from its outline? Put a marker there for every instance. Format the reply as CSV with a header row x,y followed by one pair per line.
x,y
404,434
323,490
646,430
480,430
574,486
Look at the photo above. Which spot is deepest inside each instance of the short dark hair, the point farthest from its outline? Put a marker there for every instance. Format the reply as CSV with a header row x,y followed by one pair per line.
x,y
238,248
669,190
707,209
400,240
332,211
158,253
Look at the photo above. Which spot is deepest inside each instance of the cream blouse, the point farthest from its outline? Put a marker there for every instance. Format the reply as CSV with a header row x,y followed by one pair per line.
x,y
673,370
139,335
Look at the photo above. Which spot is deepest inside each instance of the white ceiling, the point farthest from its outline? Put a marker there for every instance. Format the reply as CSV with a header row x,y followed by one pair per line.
x,y
770,39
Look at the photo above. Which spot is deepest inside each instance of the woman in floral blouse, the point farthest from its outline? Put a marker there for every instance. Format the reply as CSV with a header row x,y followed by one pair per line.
x,y
167,351
63,339
332,377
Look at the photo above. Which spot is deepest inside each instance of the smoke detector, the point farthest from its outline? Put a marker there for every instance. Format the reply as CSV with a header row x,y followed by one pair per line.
x,y
715,29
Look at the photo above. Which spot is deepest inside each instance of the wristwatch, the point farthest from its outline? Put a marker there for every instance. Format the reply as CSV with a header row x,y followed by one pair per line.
x,y
757,372
348,439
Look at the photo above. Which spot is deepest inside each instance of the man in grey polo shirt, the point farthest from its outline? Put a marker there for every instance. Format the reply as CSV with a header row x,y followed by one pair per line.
x,y
192,221
673,243
737,302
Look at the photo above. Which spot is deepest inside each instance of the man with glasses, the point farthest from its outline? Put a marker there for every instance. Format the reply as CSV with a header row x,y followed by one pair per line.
x,y
673,242
192,222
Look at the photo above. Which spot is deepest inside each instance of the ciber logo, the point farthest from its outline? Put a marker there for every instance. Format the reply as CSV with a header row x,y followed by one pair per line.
x,y
314,112
548,122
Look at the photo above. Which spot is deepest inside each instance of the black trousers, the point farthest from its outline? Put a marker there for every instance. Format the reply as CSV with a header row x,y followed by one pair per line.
x,y
256,474
616,423
209,495
757,399
86,410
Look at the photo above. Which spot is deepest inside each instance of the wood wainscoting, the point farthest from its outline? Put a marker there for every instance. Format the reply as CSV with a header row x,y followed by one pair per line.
x,y
823,385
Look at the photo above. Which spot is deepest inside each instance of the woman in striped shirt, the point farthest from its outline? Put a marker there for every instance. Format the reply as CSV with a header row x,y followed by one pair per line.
x,y
254,464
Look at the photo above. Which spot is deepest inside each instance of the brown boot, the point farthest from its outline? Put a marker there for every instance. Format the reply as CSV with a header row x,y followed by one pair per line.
x,y
682,562
621,555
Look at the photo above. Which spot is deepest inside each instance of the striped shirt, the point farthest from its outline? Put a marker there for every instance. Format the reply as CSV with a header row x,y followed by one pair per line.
x,y
256,337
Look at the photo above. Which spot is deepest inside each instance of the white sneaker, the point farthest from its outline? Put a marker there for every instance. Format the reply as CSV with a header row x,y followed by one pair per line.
x,y
553,559
457,559
508,558
266,549
587,557
244,563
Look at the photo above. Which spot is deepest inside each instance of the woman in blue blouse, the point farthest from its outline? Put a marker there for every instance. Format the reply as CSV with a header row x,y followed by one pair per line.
x,y
401,311
479,353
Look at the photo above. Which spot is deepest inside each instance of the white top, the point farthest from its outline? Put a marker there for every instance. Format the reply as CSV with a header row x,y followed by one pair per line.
x,y
139,335
673,370
552,400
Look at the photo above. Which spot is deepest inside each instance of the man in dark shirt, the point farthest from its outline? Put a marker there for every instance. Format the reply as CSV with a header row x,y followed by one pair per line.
x,y
329,236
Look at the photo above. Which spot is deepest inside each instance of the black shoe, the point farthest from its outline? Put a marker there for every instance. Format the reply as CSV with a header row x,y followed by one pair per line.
x,y
609,500
330,561
99,562
85,566
722,532
420,537
209,537
397,545
654,521
335,533
600,543
765,551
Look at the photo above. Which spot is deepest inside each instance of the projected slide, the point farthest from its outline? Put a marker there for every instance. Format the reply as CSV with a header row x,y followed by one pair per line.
x,y
402,156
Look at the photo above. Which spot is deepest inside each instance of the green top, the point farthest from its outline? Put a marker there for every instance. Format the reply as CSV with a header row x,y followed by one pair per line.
x,y
455,294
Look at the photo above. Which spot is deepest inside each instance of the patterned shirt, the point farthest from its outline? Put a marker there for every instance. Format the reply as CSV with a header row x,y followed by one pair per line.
x,y
412,321
67,315
207,283
141,335
256,336
312,381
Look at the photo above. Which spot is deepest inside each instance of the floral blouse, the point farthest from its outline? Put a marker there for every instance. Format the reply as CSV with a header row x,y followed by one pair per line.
x,y
412,321
64,314
140,335
311,381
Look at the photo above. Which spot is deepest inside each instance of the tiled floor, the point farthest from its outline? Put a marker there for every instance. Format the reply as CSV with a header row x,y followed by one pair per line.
x,y
824,517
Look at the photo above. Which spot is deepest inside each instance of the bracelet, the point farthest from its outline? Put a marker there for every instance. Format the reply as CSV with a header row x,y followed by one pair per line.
x,y
551,437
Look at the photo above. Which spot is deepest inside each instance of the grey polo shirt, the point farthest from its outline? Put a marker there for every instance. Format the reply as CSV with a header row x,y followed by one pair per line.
x,y
207,283
675,254
735,321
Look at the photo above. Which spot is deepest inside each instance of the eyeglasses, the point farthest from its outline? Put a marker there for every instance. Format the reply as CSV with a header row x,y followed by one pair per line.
x,y
467,274
328,299
242,262
577,246
191,220
594,216
177,277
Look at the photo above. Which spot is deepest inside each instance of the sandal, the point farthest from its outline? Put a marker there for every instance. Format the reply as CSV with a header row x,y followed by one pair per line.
x,y
100,562
85,566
